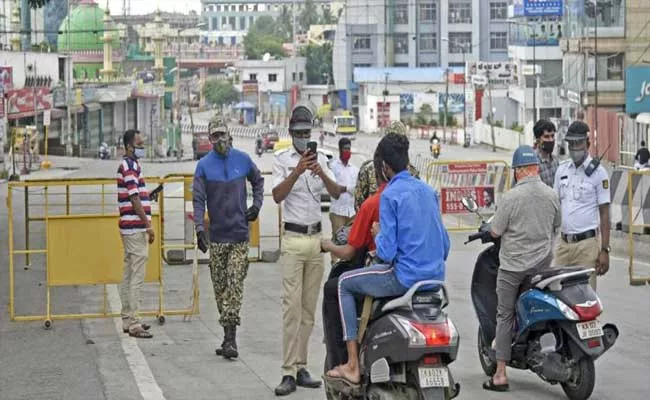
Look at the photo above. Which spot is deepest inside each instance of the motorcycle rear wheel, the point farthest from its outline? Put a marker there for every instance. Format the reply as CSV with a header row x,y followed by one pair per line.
x,y
489,366
582,381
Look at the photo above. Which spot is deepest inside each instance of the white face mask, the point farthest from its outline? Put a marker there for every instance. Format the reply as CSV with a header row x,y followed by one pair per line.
x,y
300,143
139,152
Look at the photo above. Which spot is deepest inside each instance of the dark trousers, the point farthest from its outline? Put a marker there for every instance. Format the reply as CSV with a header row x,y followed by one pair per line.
x,y
336,352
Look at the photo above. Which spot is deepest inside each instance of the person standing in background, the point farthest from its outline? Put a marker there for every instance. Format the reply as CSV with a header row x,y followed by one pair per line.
x,y
544,131
136,231
342,209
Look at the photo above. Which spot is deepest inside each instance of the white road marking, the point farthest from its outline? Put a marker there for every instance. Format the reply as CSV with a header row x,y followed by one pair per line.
x,y
138,365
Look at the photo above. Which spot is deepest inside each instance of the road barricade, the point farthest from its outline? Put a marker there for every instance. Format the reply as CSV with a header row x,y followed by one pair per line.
x,y
636,214
484,181
67,229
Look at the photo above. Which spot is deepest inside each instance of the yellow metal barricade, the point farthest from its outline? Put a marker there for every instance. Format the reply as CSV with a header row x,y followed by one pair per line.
x,y
638,202
484,181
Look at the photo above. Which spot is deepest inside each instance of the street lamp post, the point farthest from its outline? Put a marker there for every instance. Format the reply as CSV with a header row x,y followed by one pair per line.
x,y
466,138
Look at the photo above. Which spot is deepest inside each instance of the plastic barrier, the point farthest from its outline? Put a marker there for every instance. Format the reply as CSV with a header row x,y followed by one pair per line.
x,y
638,218
484,181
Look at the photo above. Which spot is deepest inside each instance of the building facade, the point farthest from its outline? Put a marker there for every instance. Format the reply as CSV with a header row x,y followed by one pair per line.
x,y
417,33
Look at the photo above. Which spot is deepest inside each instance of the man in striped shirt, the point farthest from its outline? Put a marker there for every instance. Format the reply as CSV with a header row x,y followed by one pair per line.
x,y
136,231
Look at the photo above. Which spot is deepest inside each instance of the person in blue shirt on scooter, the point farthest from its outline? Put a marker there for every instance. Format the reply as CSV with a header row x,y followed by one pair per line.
x,y
411,241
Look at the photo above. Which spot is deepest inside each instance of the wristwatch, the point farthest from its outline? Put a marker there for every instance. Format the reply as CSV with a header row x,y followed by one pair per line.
x,y
606,249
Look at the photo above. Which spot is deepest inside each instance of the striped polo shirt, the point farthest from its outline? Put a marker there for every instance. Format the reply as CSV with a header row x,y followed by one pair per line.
x,y
129,182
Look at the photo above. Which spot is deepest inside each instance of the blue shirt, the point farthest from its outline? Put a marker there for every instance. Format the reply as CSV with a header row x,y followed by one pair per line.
x,y
412,235
220,183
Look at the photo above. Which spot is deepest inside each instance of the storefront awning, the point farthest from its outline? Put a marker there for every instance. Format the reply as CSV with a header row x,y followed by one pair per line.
x,y
643,118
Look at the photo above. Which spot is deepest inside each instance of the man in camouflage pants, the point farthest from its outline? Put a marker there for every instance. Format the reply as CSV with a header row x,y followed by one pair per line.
x,y
366,182
220,182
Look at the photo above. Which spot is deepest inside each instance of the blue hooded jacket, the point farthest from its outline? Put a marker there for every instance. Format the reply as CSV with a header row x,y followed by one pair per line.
x,y
220,181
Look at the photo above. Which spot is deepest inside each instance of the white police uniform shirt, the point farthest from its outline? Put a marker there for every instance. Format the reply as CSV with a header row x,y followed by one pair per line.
x,y
303,203
581,195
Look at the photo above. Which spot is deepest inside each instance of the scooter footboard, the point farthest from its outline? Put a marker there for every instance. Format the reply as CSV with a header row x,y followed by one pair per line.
x,y
592,347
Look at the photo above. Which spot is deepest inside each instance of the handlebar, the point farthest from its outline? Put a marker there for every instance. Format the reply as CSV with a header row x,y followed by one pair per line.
x,y
474,236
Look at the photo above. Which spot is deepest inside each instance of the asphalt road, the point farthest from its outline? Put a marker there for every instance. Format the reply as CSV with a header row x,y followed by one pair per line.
x,y
92,359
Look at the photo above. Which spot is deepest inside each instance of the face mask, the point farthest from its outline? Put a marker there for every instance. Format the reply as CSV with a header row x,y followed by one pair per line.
x,y
577,156
139,152
300,143
221,145
548,147
345,155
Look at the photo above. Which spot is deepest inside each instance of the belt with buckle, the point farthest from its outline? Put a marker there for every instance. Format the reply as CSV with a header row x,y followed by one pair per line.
x,y
304,229
579,236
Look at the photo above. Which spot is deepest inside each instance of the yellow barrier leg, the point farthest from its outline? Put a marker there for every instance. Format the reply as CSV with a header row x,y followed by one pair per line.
x,y
26,226
67,199
12,312
48,316
104,307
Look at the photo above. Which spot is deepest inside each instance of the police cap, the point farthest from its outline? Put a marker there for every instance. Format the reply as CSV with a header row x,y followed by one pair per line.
x,y
577,131
302,116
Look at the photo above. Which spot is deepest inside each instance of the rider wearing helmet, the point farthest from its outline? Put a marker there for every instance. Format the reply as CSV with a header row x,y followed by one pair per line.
x,y
366,182
527,219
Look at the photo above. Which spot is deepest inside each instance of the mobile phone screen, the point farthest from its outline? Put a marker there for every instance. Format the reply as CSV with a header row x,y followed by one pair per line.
x,y
312,146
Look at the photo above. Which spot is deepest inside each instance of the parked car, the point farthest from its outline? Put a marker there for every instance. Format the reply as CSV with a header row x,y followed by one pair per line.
x,y
201,145
269,139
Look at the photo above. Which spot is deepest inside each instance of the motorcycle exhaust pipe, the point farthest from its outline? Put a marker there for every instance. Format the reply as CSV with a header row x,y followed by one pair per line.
x,y
610,334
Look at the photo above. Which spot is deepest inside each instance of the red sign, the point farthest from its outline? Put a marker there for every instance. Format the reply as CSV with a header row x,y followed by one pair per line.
x,y
451,198
22,102
468,168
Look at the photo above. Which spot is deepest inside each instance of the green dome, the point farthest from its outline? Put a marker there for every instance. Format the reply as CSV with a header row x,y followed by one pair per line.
x,y
86,29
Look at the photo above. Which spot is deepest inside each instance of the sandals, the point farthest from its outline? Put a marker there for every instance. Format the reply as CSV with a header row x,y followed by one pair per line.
x,y
141,334
146,327
339,377
490,385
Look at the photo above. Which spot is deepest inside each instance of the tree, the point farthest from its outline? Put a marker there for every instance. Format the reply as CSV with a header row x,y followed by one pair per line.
x,y
319,63
284,23
265,36
308,16
328,17
219,92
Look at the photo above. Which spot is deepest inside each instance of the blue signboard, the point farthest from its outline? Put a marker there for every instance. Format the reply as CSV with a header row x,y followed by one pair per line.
x,y
536,8
637,89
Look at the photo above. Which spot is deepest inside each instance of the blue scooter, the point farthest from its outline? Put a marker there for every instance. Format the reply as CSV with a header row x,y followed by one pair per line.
x,y
557,334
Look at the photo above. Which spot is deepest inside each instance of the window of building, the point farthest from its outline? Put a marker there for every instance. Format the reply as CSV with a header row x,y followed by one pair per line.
x,y
241,7
232,21
401,13
361,42
273,77
498,40
401,43
251,21
254,7
460,42
428,42
610,67
460,12
301,76
224,22
214,24
293,76
361,66
498,10
428,12
218,7
426,65
242,23
401,65
252,77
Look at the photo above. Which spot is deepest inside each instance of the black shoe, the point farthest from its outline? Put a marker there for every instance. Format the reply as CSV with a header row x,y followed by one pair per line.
x,y
305,380
228,347
287,386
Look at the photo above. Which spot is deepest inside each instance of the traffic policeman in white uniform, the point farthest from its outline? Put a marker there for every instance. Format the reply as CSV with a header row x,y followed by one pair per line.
x,y
299,176
583,187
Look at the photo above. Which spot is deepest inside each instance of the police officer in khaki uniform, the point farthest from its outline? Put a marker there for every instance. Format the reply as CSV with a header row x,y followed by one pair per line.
x,y
583,187
299,176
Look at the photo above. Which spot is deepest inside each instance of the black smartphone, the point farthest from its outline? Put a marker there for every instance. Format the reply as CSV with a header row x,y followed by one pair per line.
x,y
312,146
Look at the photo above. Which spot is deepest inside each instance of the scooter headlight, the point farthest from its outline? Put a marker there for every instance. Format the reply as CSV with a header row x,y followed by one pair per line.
x,y
567,311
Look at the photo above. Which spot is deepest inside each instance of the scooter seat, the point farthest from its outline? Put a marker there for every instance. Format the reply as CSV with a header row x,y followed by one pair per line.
x,y
429,297
531,280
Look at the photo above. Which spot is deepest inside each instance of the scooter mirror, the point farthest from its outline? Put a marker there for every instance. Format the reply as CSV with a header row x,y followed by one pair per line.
x,y
469,204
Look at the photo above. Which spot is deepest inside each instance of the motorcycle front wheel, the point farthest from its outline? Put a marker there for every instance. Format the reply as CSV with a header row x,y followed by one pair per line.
x,y
582,381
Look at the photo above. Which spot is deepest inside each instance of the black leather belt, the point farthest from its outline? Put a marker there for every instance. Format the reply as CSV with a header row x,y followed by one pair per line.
x,y
579,236
304,229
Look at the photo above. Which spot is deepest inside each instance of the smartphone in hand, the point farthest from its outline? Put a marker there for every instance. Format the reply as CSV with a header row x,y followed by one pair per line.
x,y
312,147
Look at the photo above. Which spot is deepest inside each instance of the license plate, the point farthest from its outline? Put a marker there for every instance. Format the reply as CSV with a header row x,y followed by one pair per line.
x,y
589,329
433,377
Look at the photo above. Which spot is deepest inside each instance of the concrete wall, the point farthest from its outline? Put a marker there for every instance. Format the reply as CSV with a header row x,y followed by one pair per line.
x,y
505,138
45,64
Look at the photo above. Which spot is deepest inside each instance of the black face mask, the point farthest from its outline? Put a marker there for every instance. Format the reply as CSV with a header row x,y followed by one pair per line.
x,y
548,147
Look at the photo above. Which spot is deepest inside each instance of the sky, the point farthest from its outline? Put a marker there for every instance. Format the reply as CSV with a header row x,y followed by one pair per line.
x,y
147,6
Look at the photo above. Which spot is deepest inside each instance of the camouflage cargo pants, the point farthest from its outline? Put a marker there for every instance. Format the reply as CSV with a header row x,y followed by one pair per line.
x,y
228,268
